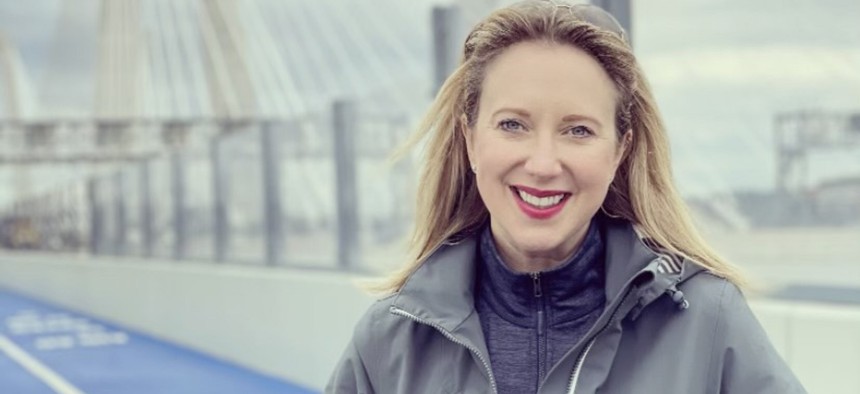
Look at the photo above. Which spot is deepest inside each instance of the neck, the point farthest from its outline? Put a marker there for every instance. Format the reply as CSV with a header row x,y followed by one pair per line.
x,y
526,261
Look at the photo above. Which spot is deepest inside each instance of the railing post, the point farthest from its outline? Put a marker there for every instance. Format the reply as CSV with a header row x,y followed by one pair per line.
x,y
221,232
121,240
146,211
273,211
178,186
344,128
96,228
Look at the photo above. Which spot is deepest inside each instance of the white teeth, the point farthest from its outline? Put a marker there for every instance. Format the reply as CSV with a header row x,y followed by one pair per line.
x,y
540,202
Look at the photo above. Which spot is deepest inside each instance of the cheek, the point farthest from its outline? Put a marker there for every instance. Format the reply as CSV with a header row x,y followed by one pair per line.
x,y
594,169
494,165
492,154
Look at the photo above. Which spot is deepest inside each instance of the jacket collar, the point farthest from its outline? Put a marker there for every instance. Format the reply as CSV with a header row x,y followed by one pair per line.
x,y
441,290
570,290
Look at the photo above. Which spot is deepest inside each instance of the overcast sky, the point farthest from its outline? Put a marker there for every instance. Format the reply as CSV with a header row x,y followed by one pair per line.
x,y
720,69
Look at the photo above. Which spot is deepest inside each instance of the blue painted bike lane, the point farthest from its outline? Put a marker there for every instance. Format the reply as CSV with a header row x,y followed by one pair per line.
x,y
14,379
46,349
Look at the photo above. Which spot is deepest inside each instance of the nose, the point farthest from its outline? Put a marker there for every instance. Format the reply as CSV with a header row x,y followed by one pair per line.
x,y
543,160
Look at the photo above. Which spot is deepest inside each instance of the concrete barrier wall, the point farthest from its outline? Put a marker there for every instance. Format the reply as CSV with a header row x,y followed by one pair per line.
x,y
285,323
821,342
295,324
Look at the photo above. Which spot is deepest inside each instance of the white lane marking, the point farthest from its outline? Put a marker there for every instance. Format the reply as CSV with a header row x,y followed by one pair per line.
x,y
49,377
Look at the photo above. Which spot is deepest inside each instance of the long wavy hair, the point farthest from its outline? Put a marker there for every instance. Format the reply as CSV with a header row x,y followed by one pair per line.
x,y
643,192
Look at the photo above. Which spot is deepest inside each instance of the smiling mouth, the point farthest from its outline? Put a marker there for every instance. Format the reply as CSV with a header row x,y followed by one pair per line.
x,y
540,200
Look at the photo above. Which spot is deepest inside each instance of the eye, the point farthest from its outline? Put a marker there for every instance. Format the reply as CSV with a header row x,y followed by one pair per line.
x,y
579,132
510,125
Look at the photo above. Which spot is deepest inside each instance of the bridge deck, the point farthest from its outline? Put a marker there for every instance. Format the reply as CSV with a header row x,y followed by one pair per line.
x,y
46,349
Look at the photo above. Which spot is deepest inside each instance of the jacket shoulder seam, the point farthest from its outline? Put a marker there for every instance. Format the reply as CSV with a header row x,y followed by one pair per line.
x,y
685,278
387,296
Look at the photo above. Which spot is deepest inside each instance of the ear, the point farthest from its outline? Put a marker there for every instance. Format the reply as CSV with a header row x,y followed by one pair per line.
x,y
625,146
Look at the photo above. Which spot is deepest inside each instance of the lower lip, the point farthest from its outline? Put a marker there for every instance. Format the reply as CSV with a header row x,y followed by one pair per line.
x,y
539,213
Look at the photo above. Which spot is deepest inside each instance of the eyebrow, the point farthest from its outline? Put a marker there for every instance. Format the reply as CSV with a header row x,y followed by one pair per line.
x,y
567,118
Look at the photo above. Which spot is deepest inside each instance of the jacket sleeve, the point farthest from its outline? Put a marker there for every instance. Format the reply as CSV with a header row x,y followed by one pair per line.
x,y
350,375
743,358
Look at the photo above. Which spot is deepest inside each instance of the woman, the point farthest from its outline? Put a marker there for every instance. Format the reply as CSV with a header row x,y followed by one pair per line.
x,y
552,251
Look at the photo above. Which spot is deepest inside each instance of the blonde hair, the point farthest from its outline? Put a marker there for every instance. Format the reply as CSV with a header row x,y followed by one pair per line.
x,y
448,204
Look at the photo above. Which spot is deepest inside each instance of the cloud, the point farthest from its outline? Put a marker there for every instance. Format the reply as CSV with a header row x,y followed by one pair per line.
x,y
770,65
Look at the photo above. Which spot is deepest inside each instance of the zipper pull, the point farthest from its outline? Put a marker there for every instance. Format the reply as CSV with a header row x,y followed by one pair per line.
x,y
536,281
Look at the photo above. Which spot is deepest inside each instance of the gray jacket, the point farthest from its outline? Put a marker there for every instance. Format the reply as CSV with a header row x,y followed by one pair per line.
x,y
668,327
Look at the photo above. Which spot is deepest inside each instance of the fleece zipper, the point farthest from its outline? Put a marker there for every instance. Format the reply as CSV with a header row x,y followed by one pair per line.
x,y
540,304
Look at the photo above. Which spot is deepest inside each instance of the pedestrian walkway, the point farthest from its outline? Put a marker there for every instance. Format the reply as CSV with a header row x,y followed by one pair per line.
x,y
45,349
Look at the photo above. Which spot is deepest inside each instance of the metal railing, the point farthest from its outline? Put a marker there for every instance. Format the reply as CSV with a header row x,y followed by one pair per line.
x,y
317,191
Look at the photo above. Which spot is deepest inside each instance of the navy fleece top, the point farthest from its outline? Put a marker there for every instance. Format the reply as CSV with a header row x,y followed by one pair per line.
x,y
530,320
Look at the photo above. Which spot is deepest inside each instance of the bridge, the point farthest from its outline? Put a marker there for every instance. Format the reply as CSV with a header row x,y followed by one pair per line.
x,y
202,224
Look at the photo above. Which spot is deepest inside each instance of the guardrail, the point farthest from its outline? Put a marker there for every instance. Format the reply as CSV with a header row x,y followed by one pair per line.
x,y
295,323
305,191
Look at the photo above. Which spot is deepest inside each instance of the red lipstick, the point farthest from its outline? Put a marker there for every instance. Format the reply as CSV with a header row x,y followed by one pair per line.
x,y
535,212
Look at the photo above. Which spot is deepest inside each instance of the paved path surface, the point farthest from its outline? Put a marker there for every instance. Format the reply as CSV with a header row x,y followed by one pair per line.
x,y
47,350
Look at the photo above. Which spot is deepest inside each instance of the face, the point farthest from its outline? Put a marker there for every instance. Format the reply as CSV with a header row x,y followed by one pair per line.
x,y
545,150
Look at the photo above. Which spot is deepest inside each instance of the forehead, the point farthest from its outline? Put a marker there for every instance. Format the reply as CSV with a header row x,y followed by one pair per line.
x,y
548,76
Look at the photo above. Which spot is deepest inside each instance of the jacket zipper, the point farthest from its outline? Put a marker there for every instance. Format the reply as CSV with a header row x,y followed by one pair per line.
x,y
574,378
447,334
577,368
